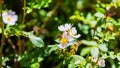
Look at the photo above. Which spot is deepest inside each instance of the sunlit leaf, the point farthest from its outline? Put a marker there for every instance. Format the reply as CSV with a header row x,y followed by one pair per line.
x,y
85,51
35,65
101,10
89,43
99,15
51,48
95,52
118,56
111,54
76,60
37,41
105,56
103,47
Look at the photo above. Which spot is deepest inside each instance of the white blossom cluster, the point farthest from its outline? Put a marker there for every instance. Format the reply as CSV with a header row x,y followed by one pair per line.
x,y
68,36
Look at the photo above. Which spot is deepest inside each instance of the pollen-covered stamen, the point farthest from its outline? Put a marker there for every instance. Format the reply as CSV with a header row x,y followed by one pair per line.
x,y
64,41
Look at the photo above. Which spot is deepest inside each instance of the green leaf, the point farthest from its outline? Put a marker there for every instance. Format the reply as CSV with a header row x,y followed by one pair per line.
x,y
89,43
118,56
85,51
95,52
105,56
103,47
111,54
98,14
52,48
101,10
37,41
39,4
35,65
76,60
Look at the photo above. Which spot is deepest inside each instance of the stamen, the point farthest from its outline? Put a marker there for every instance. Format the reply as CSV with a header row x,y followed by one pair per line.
x,y
63,40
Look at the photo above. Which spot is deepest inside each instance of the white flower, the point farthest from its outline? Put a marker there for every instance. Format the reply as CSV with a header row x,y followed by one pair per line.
x,y
65,27
101,63
66,40
68,36
9,17
73,32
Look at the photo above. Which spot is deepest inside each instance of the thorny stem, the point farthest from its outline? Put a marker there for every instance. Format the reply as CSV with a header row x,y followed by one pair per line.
x,y
2,27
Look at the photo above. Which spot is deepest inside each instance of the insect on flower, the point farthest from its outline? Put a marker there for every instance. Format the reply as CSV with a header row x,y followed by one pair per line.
x,y
9,17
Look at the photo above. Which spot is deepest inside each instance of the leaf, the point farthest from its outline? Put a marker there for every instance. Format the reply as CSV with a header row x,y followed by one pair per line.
x,y
103,47
118,56
89,43
101,10
111,54
37,4
105,56
51,48
43,3
76,60
85,51
95,52
100,15
37,41
35,65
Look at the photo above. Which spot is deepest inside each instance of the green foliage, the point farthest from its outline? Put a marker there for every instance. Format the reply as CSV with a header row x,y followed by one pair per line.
x,y
76,60
89,43
36,40
85,51
37,4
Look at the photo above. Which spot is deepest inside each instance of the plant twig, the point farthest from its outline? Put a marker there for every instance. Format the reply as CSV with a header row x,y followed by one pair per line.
x,y
16,53
23,20
2,27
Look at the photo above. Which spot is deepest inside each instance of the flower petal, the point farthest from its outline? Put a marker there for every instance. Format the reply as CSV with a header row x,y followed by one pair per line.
x,y
68,26
101,63
64,35
77,36
73,30
61,28
63,46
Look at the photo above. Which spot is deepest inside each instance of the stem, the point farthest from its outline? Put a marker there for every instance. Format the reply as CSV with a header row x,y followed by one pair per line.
x,y
23,20
2,27
12,45
24,14
14,49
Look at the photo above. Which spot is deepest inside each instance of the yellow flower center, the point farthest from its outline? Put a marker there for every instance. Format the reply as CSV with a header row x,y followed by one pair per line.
x,y
63,40
8,18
